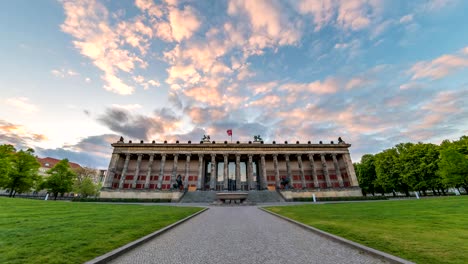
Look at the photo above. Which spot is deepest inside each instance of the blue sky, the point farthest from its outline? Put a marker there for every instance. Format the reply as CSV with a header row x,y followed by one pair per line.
x,y
77,75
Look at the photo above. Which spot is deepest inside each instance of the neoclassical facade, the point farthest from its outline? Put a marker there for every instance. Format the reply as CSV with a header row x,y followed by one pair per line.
x,y
148,170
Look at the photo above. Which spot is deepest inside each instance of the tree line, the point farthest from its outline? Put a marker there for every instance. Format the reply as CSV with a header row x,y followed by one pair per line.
x,y
420,167
19,173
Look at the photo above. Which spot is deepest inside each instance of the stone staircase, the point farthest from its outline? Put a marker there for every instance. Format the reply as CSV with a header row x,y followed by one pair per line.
x,y
199,197
253,197
264,197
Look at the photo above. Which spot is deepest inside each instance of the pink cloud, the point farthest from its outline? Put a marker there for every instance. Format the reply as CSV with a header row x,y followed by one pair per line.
x,y
329,85
439,67
183,23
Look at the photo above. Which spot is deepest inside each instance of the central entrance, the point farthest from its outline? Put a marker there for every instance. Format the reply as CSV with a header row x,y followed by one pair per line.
x,y
232,183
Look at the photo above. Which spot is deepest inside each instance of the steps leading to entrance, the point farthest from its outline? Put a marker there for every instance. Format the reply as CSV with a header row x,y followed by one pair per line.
x,y
264,197
210,196
199,197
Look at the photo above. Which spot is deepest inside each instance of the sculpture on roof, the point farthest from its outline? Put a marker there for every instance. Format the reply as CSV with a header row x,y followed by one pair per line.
x,y
121,139
258,138
340,141
206,138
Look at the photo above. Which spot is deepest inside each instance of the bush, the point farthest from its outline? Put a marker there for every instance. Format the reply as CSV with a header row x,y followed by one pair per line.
x,y
121,200
352,198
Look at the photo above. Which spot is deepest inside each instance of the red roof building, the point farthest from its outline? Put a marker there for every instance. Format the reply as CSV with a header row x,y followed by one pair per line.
x,y
48,163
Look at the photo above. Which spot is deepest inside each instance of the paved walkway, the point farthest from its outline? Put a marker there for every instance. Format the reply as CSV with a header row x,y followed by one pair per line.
x,y
243,234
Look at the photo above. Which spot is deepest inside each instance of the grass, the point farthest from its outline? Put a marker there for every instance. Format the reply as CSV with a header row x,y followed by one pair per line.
x,y
424,231
34,231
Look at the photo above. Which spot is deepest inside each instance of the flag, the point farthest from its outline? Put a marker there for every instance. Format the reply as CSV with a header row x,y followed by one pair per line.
x,y
229,132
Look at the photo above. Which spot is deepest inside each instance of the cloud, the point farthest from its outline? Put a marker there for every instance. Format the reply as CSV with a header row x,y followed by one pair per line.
x,y
22,104
329,85
63,73
88,23
140,127
269,26
184,23
439,67
18,135
406,19
351,15
356,82
128,107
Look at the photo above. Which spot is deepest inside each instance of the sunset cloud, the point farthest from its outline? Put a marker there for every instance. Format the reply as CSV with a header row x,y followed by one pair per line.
x,y
22,104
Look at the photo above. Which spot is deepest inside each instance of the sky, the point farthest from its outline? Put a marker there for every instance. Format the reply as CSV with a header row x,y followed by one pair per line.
x,y
77,75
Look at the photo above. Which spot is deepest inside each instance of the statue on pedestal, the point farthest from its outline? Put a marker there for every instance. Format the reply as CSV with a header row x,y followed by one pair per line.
x,y
121,139
206,138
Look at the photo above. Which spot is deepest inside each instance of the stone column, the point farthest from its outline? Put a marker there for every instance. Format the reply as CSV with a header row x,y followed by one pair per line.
x,y
301,169
148,173
325,170
238,174
200,172
187,171
350,170
161,171
111,171
250,173
174,169
124,171
277,177
337,169
264,182
225,171
314,172
137,171
288,171
213,172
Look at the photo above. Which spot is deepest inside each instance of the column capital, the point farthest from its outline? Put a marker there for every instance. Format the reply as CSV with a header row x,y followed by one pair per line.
x,y
188,154
310,155
286,156
200,155
334,155
299,156
262,155
163,154
275,155
238,155
151,155
225,155
176,154
213,155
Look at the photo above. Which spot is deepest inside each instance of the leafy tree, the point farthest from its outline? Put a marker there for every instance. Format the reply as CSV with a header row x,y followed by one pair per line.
x,y
6,155
84,183
87,188
60,179
453,167
388,171
366,174
23,172
418,166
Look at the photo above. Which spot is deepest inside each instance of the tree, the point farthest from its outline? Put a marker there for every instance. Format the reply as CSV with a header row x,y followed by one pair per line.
x,y
84,183
23,173
60,179
366,174
453,167
6,155
388,171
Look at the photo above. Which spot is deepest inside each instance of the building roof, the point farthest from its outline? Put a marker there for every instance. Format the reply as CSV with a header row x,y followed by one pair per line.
x,y
50,162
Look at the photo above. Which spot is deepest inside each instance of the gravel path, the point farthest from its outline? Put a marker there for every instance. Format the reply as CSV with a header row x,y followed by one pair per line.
x,y
243,234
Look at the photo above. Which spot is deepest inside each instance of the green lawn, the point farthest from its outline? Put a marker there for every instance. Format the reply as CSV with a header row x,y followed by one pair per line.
x,y
34,231
424,231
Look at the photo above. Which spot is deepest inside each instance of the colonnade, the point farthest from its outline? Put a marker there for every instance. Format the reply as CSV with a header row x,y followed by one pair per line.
x,y
213,180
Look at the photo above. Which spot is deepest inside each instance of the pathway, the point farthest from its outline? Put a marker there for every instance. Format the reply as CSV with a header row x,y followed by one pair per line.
x,y
243,234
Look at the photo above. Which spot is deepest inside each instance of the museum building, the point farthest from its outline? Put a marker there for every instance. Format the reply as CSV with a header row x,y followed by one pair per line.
x,y
150,170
